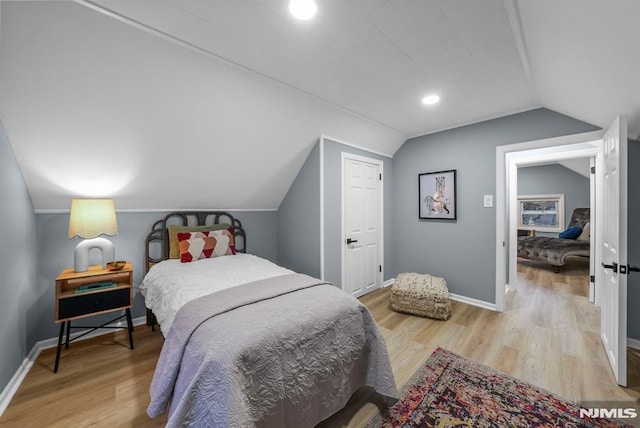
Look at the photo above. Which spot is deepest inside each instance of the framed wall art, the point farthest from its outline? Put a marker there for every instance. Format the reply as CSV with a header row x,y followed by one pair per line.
x,y
437,195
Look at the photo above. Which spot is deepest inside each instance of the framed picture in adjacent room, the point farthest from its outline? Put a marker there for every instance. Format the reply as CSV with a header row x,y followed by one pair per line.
x,y
437,195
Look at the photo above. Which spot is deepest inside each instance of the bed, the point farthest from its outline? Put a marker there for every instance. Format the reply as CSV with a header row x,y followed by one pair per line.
x,y
247,342
556,250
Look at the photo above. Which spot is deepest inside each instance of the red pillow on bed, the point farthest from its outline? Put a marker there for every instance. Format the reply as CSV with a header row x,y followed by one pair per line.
x,y
205,244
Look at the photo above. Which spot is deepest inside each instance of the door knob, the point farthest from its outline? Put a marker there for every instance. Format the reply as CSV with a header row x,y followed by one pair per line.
x,y
351,241
627,269
613,267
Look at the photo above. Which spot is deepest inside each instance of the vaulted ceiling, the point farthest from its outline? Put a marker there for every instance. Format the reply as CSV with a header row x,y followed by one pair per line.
x,y
168,104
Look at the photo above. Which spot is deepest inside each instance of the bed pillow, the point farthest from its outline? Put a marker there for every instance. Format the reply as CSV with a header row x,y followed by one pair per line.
x,y
571,233
174,249
205,244
586,233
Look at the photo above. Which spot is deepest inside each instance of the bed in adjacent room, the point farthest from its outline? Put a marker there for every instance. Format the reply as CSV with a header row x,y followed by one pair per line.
x,y
247,342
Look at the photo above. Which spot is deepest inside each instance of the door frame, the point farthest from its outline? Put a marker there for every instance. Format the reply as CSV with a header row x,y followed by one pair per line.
x,y
507,159
380,275
530,157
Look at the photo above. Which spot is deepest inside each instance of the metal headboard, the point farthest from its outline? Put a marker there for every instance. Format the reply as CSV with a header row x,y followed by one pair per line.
x,y
159,234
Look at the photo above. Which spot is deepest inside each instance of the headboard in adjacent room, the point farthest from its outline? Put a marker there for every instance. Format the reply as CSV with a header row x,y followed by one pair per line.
x,y
157,241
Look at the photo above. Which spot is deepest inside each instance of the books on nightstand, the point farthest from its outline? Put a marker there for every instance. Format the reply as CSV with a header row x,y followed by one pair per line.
x,y
93,286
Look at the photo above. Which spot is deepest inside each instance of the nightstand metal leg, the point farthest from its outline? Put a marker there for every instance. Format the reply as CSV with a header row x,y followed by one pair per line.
x,y
130,324
66,346
55,367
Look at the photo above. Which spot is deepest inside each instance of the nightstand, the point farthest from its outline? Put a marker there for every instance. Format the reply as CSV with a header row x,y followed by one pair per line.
x,y
93,292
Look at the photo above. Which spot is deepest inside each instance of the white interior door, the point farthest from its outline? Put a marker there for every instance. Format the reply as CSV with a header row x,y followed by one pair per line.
x,y
613,270
362,224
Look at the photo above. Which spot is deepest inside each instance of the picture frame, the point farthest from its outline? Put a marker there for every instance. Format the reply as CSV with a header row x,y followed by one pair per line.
x,y
542,213
437,195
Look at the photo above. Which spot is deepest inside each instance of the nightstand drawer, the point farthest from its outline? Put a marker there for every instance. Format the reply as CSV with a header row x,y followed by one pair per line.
x,y
93,303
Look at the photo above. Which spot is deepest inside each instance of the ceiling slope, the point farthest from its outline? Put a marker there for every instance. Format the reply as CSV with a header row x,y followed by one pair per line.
x,y
96,107
585,58
377,58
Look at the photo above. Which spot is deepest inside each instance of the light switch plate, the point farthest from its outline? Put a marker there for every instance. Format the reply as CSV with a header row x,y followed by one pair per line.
x,y
488,201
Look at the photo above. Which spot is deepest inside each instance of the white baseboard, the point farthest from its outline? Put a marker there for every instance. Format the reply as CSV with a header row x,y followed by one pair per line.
x,y
473,302
457,297
13,385
633,343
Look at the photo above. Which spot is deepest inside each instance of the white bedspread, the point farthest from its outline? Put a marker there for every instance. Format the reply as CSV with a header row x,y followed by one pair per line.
x,y
283,352
170,284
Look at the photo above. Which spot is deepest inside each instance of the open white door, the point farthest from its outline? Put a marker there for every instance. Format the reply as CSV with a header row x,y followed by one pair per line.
x,y
614,268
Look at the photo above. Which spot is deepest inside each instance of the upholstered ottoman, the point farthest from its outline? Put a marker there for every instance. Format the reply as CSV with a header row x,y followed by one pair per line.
x,y
421,294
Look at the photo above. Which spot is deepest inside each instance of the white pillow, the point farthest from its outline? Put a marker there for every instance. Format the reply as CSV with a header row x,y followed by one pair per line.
x,y
586,233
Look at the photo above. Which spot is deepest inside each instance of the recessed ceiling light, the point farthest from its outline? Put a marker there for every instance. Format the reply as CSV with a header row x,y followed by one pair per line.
x,y
303,9
430,100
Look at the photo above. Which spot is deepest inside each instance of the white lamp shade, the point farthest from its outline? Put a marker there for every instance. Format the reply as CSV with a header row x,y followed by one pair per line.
x,y
92,217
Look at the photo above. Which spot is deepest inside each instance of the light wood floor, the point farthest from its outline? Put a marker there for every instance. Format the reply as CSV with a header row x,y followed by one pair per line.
x,y
548,336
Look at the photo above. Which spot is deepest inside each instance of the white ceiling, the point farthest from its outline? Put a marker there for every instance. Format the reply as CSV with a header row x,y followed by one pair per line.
x,y
374,58
217,102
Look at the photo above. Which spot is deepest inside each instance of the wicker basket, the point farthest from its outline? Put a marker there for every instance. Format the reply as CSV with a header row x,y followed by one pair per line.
x,y
421,294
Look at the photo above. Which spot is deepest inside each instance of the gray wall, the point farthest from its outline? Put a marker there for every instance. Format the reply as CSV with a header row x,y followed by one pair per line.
x,y
299,220
299,214
462,250
555,179
333,209
55,252
18,293
633,240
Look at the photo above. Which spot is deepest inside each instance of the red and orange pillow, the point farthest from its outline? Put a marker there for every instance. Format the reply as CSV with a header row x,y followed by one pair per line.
x,y
205,244
173,229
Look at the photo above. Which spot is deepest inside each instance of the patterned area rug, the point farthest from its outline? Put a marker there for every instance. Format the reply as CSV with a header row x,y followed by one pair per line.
x,y
452,391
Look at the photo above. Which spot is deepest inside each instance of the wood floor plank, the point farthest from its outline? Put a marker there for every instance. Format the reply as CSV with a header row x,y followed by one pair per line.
x,y
549,336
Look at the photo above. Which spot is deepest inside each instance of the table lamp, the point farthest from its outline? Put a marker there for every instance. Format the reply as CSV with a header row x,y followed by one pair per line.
x,y
89,219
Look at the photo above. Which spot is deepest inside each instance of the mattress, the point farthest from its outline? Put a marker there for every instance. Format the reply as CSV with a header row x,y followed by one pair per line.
x,y
170,284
